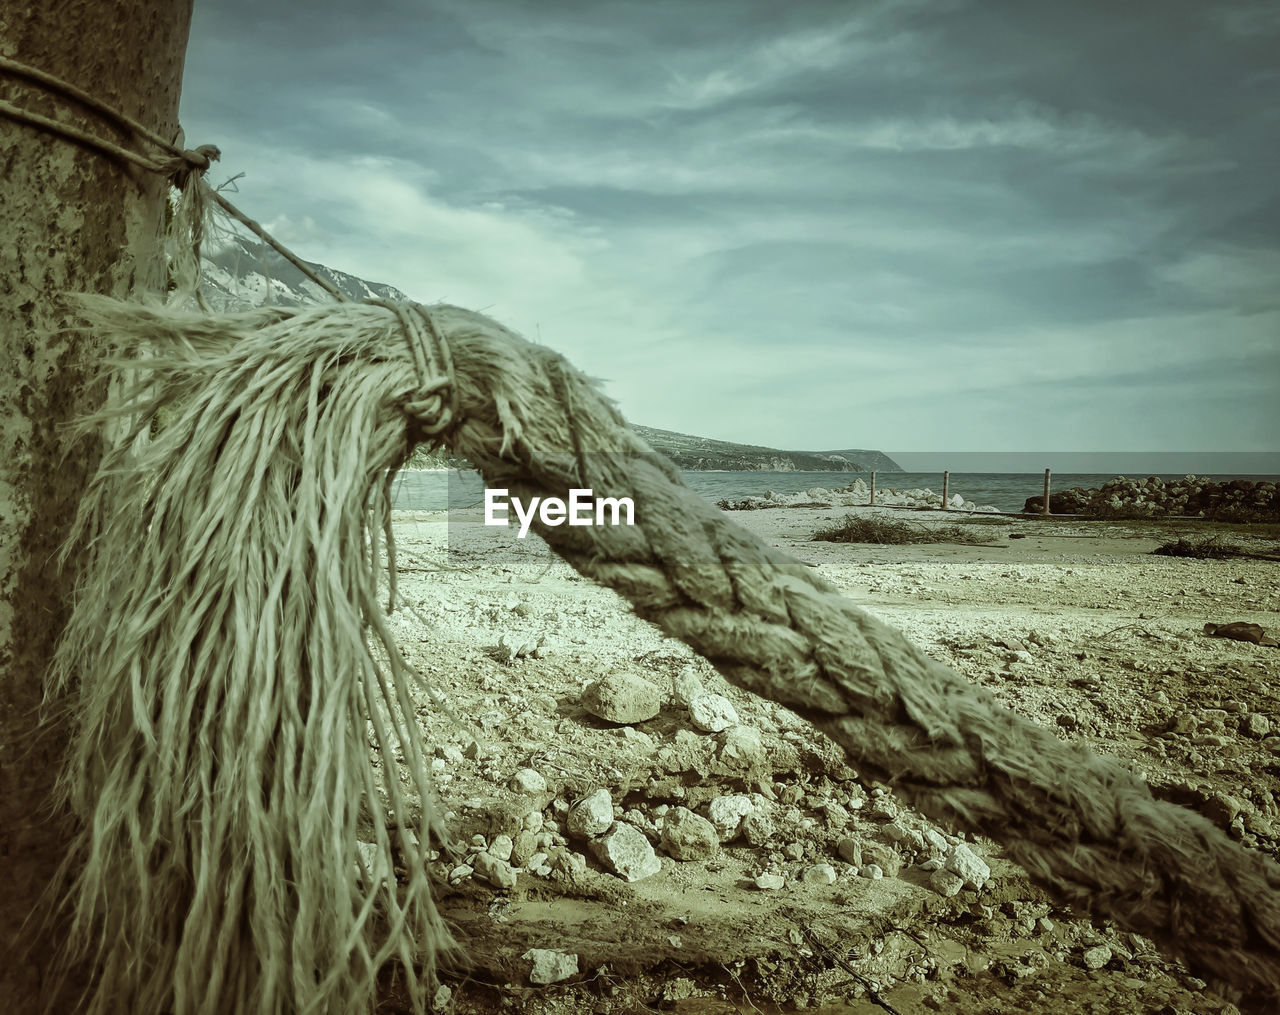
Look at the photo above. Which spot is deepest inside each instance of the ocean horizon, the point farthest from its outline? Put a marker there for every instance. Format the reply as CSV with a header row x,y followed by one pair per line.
x,y
435,490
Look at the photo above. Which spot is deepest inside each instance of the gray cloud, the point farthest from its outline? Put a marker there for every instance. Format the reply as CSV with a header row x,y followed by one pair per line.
x,y
802,224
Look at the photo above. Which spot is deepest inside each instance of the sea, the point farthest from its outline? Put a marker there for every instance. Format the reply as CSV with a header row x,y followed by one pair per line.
x,y
1007,491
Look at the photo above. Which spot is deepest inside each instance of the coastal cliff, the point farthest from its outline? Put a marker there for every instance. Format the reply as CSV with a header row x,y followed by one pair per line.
x,y
702,454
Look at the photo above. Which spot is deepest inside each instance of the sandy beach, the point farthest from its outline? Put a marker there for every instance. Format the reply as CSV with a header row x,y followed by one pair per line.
x,y
1072,624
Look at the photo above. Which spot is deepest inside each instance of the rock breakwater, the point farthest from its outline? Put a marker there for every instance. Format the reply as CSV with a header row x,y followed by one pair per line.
x,y
1235,500
856,494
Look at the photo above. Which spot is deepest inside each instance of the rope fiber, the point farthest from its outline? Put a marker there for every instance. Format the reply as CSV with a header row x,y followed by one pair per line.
x,y
1083,826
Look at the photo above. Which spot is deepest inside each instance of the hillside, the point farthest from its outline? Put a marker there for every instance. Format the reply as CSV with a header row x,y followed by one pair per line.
x,y
702,454
241,274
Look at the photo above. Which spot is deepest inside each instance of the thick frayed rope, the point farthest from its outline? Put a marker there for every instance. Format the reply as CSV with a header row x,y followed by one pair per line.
x,y
246,759
1086,828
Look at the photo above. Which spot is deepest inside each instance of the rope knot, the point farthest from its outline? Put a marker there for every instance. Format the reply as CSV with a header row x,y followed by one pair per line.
x,y
179,168
432,406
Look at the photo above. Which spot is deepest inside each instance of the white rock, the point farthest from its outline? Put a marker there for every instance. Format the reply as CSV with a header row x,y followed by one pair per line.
x,y
528,781
1096,958
935,840
501,847
757,828
872,871
689,836
968,866
622,698
550,966
712,712
821,874
442,998
373,858
497,872
727,812
461,871
625,851
850,850
741,744
591,816
894,832
945,883
770,882
685,686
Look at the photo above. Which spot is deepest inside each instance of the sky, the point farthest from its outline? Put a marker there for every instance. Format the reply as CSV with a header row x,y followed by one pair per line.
x,y
907,225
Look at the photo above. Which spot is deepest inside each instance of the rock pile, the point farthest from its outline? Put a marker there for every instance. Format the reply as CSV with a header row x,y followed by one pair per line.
x,y
856,494
1231,500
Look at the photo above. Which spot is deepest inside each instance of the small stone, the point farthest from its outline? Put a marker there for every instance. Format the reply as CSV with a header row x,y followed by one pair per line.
x,y
757,828
894,832
622,698
1222,808
450,754
883,856
528,781
501,847
712,712
935,840
571,863
497,872
591,816
968,866
793,850
442,998
770,882
945,883
625,851
727,812
689,836
872,872
1044,925
850,850
460,872
820,874
511,647
550,966
742,744
685,686
1255,725
837,817
1096,957
533,821
932,864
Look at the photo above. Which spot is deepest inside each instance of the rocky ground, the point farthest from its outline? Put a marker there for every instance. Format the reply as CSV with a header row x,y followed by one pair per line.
x,y
635,834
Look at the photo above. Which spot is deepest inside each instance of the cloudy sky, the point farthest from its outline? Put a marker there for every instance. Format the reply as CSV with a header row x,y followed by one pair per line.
x,y
907,225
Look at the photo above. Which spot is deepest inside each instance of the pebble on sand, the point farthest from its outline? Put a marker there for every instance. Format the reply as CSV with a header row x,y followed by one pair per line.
x,y
625,851
689,836
550,966
968,866
592,816
821,874
622,698
712,713
945,883
528,781
726,814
